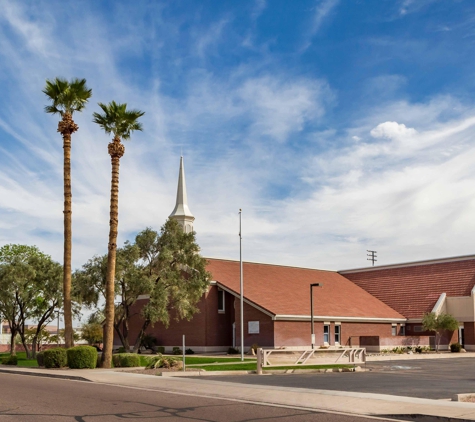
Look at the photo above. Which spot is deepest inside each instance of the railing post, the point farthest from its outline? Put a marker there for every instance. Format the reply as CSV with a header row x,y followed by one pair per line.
x,y
259,361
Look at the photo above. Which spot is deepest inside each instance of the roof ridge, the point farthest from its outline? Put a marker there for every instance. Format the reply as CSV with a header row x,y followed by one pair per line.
x,y
271,265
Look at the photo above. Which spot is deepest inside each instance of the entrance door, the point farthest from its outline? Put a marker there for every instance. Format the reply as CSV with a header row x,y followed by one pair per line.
x,y
461,337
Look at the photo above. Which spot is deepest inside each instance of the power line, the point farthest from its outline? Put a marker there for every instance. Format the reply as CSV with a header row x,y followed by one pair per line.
x,y
372,256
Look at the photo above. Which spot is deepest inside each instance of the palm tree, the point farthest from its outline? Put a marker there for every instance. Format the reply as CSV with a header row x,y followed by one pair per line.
x,y
119,122
66,98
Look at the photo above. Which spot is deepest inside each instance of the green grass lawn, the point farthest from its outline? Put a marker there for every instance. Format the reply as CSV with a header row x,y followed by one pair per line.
x,y
23,361
195,360
253,366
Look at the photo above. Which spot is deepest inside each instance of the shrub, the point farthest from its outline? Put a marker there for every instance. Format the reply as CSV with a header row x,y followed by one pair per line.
x,y
189,352
149,342
254,347
160,361
81,357
160,349
126,360
121,349
455,347
55,358
177,351
40,359
418,349
10,360
233,351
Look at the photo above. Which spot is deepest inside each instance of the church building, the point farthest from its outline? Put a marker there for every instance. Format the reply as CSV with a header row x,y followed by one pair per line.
x,y
378,307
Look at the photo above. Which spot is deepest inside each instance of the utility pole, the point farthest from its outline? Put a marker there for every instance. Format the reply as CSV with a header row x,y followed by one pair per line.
x,y
372,256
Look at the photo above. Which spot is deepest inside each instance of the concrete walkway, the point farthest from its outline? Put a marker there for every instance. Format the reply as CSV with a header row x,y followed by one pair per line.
x,y
336,401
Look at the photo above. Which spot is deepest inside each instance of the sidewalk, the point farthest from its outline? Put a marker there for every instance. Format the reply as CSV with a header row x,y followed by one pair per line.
x,y
337,401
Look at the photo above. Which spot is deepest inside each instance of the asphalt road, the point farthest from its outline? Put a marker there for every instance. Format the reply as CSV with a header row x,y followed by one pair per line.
x,y
429,378
28,398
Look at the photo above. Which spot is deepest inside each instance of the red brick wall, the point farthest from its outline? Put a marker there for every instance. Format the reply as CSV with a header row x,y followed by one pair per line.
x,y
414,290
208,327
265,338
298,333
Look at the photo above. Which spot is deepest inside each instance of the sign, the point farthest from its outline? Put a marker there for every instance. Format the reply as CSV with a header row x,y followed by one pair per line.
x,y
253,327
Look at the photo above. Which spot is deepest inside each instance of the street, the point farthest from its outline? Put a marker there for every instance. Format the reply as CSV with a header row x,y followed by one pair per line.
x,y
30,398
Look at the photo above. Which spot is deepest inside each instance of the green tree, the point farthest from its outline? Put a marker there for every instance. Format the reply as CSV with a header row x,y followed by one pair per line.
x,y
92,333
130,282
66,98
439,323
30,289
119,122
177,273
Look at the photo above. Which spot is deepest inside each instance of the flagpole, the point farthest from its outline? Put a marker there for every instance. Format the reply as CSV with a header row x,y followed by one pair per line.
x,y
241,285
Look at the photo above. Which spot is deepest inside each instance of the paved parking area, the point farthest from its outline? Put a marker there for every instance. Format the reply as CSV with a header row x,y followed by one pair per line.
x,y
424,378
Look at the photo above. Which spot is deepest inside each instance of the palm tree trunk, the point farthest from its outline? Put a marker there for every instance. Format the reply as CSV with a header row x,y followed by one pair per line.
x,y
116,151
66,127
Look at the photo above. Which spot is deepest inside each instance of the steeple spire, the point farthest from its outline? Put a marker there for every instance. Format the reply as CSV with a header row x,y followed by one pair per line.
x,y
181,212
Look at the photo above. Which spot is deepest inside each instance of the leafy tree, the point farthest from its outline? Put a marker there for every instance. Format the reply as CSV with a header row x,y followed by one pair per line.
x,y
29,290
439,323
92,333
130,282
66,98
165,266
120,122
178,276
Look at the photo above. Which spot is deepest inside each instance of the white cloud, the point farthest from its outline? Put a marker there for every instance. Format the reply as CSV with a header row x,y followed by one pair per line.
x,y
392,130
324,7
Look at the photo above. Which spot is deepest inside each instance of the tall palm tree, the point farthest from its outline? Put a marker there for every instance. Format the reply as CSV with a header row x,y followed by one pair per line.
x,y
66,98
119,122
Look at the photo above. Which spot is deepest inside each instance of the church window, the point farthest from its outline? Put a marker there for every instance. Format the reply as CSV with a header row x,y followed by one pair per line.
x,y
221,301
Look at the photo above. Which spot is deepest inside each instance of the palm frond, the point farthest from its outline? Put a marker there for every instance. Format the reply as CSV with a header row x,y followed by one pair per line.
x,y
116,119
66,97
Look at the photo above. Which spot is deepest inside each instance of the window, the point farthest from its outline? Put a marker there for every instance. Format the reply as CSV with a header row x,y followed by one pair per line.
x,y
402,330
394,330
418,328
221,301
326,334
337,333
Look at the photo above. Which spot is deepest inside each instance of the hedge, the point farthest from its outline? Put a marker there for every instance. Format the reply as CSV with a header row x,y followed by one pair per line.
x,y
10,360
40,358
55,358
81,357
126,360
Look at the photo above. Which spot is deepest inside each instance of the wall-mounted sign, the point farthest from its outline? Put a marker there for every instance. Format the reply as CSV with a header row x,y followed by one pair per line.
x,y
253,327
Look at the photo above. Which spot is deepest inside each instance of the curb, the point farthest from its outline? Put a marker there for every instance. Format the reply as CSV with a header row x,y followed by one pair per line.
x,y
38,374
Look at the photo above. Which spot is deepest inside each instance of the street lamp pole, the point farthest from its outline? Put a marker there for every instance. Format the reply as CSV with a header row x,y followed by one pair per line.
x,y
311,311
241,286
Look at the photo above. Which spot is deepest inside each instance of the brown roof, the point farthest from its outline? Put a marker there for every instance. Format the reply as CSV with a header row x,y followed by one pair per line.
x,y
414,288
286,290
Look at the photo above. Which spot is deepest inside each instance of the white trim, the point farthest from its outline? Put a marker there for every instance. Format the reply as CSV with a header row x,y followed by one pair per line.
x,y
264,311
409,264
438,305
338,318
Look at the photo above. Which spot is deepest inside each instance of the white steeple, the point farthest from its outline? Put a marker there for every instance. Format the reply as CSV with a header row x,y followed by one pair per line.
x,y
182,213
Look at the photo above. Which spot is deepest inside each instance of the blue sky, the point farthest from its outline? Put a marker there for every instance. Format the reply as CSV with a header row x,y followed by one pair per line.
x,y
338,126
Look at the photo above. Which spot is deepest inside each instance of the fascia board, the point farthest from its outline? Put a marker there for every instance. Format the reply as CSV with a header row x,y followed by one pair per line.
x,y
336,318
